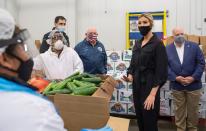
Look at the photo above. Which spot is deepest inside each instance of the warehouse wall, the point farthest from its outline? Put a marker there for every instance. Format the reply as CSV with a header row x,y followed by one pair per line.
x,y
38,16
109,17
11,6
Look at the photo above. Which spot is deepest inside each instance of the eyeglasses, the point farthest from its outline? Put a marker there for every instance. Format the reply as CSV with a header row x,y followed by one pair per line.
x,y
57,37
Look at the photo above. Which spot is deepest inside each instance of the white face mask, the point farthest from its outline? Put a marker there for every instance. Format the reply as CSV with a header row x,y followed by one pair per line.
x,y
58,45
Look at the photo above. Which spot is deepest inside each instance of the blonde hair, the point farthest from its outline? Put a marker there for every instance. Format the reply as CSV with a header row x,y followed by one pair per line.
x,y
148,16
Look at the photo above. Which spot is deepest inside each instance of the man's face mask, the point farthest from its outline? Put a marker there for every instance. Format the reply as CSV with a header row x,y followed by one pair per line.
x,y
180,39
58,45
61,28
92,37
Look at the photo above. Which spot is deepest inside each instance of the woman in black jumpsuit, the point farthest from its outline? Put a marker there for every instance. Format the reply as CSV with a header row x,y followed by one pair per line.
x,y
148,71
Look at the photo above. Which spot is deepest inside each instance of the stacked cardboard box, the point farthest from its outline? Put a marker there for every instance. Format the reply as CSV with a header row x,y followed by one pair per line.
x,y
165,100
122,100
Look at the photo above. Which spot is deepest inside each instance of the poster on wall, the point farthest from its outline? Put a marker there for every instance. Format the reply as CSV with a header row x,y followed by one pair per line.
x,y
133,26
157,26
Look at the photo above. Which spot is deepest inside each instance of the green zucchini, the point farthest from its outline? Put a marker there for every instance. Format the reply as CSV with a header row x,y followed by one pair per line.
x,y
85,91
95,80
49,87
87,75
60,91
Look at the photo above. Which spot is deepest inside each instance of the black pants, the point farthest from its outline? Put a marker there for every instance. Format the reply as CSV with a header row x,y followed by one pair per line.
x,y
146,119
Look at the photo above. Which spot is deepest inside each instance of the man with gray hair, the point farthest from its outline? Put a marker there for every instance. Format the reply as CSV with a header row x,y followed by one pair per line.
x,y
22,108
185,67
92,53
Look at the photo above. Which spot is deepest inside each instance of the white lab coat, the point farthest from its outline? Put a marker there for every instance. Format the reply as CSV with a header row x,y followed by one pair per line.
x,y
55,67
22,111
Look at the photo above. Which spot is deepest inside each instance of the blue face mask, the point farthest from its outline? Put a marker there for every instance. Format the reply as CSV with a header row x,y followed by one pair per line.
x,y
61,28
180,39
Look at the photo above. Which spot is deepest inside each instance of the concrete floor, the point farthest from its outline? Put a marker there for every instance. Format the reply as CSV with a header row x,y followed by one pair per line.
x,y
164,125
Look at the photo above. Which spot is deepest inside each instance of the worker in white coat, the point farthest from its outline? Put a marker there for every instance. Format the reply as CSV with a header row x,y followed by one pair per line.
x,y
22,108
59,61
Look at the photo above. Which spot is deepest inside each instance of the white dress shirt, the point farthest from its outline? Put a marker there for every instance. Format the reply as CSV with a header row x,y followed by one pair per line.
x,y
180,52
61,67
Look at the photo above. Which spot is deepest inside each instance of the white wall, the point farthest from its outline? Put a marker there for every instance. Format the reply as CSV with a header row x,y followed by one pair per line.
x,y
38,16
109,17
11,6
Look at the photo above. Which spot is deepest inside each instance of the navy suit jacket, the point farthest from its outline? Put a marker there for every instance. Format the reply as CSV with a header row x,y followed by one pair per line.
x,y
193,65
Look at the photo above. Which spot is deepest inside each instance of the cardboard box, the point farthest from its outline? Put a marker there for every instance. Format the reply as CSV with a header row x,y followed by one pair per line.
x,y
119,75
203,40
114,56
129,86
110,68
121,85
166,86
117,107
172,108
169,40
37,44
118,124
162,94
164,107
168,95
87,111
125,96
194,38
121,67
114,96
127,55
131,109
203,77
203,96
202,109
204,50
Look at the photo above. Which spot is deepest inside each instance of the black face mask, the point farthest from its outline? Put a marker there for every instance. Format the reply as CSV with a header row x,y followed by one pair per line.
x,y
144,30
25,69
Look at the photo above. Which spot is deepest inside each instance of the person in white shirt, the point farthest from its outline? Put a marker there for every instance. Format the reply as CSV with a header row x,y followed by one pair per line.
x,y
59,61
22,108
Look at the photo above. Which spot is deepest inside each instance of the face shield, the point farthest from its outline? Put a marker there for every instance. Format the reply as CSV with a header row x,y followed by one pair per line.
x,y
56,35
21,38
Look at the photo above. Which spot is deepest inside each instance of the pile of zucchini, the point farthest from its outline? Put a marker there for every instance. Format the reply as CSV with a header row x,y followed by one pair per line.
x,y
76,84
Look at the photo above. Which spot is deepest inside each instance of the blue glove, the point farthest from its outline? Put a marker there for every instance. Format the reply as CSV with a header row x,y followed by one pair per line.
x,y
106,128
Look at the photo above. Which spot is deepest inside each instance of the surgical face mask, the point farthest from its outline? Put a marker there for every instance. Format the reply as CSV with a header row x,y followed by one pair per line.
x,y
61,28
58,45
180,39
144,30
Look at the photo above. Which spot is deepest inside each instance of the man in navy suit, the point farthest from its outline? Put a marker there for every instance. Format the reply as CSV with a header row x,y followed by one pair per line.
x,y
185,67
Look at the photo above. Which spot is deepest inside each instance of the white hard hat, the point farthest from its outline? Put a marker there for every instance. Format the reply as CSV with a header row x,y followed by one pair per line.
x,y
7,26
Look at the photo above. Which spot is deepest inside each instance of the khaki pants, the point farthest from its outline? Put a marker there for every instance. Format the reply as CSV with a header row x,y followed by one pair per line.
x,y
186,106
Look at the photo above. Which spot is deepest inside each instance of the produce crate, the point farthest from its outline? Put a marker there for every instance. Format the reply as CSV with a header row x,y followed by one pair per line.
x,y
85,111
